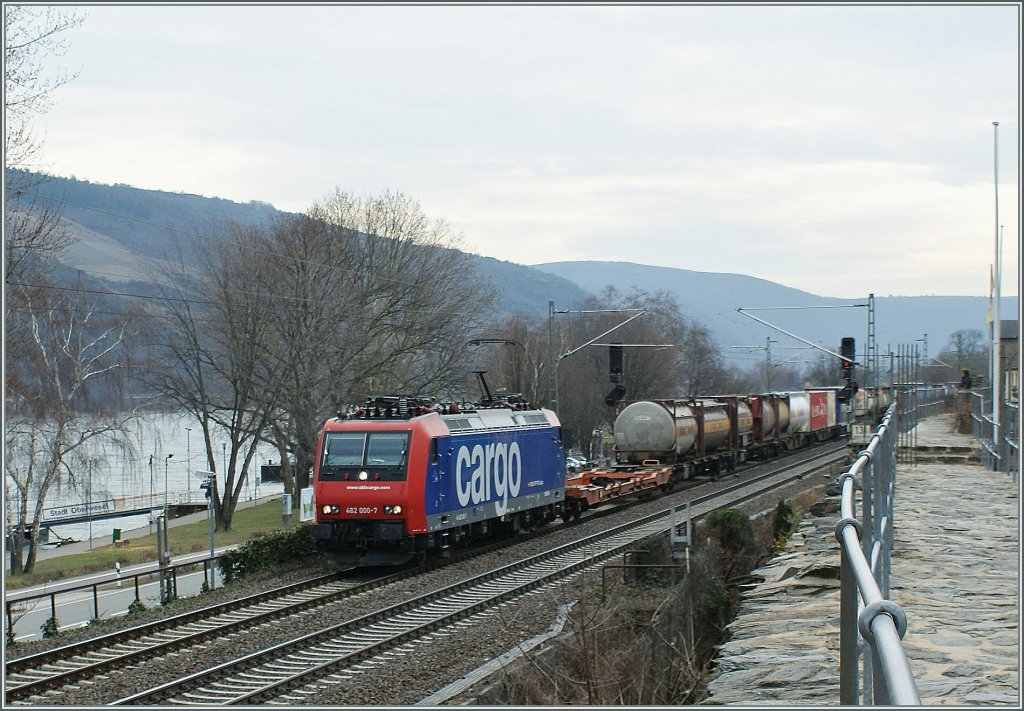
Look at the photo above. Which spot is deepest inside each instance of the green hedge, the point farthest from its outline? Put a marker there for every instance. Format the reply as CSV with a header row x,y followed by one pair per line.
x,y
275,550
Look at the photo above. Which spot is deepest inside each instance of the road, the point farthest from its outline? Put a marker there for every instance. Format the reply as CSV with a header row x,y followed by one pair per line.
x,y
76,609
110,595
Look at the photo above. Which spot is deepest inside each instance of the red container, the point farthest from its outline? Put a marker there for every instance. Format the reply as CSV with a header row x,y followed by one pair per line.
x,y
819,411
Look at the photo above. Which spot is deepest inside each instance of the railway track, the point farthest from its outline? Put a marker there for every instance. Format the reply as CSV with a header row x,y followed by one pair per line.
x,y
37,673
280,673
290,673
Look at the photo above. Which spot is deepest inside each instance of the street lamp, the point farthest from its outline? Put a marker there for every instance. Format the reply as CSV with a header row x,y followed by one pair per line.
x,y
151,493
88,503
166,460
188,458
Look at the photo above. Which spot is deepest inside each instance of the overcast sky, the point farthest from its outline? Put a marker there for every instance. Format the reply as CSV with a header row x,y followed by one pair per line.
x,y
843,150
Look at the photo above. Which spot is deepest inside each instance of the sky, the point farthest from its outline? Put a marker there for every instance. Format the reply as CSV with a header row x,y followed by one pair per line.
x,y
838,149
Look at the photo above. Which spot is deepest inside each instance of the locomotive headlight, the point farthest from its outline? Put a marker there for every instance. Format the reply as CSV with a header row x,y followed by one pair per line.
x,y
363,476
392,509
330,508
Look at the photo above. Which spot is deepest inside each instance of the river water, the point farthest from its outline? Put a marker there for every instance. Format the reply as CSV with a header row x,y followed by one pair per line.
x,y
162,453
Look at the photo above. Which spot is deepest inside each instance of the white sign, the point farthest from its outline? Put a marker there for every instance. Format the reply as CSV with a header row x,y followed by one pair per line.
x,y
306,504
77,510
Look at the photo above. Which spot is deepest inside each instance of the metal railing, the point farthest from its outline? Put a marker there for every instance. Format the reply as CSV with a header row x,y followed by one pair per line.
x,y
17,603
1002,453
865,550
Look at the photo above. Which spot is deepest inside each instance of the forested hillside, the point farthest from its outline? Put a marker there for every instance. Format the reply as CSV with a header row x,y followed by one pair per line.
x,y
123,234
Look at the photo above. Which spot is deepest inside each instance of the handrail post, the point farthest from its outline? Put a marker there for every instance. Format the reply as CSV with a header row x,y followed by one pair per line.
x,y
867,543
848,642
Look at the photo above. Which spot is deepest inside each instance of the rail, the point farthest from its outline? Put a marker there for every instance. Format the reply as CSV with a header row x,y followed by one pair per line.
x,y
865,549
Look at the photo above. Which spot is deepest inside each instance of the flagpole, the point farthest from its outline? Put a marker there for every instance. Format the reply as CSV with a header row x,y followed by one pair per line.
x,y
997,375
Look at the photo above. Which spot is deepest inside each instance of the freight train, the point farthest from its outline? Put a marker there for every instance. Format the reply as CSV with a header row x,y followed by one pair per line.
x,y
404,478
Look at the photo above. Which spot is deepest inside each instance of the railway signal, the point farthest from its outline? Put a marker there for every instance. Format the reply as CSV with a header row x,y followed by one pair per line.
x,y
848,352
617,393
615,364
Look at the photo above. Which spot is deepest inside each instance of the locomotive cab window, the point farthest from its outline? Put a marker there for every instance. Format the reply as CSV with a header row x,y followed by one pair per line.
x,y
382,455
344,449
386,448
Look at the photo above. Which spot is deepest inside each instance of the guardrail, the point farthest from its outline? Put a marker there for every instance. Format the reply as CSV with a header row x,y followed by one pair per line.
x,y
109,582
1000,452
865,549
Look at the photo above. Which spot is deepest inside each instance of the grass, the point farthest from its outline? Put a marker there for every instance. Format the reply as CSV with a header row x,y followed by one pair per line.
x,y
246,524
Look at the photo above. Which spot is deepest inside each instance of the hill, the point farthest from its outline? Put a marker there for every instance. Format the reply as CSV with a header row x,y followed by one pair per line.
x,y
715,298
124,233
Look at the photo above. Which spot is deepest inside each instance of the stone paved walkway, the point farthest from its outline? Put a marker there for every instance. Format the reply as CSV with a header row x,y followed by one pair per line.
x,y
955,573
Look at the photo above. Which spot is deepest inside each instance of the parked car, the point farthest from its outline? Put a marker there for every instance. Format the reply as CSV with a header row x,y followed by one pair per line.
x,y
574,462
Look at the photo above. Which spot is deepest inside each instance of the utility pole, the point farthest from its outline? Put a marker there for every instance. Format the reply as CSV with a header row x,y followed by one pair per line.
x,y
553,356
552,360
768,368
997,375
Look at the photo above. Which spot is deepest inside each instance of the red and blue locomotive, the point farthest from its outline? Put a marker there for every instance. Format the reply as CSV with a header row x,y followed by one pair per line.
x,y
401,477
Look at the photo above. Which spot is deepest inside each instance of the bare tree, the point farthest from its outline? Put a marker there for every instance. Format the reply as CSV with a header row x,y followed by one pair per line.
x,y
31,34
514,354
211,357
376,299
584,377
703,363
58,348
49,416
285,325
823,370
966,348
33,233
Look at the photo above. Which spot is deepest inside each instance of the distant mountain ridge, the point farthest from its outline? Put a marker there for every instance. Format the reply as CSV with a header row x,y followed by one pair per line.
x,y
123,232
715,300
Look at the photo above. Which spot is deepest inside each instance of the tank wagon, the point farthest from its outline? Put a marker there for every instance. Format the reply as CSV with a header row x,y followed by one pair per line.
x,y
659,443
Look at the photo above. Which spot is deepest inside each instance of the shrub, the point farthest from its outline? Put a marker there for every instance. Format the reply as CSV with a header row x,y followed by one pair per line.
x,y
732,531
50,628
786,520
277,549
